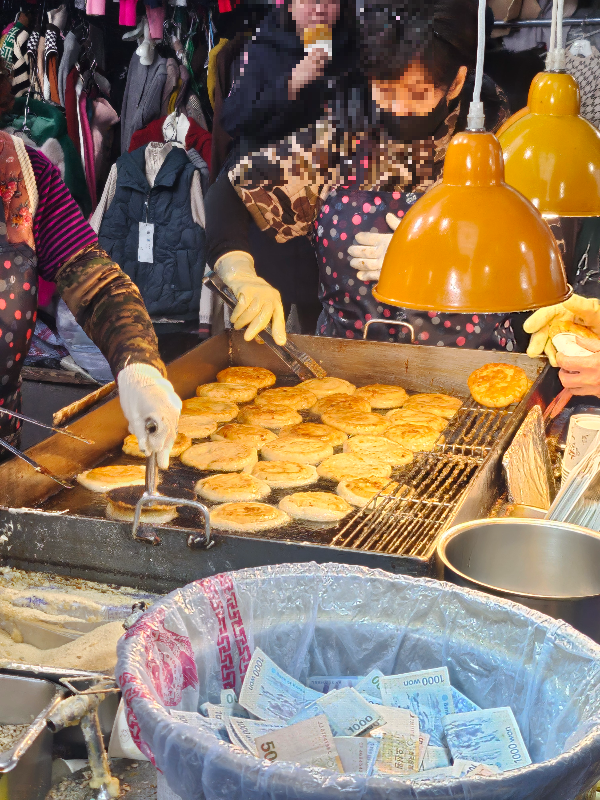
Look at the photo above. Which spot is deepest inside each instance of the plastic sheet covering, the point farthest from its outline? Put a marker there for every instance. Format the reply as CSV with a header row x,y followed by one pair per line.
x,y
340,620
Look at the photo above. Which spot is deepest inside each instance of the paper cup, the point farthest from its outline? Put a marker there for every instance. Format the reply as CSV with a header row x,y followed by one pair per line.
x,y
566,343
584,432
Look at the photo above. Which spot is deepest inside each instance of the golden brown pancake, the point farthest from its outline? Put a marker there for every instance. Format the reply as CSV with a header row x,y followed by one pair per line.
x,y
274,418
232,486
180,445
315,506
227,392
247,517
154,516
414,436
355,422
287,396
411,416
285,474
314,430
102,479
383,395
379,447
441,404
323,387
345,466
258,377
221,456
302,450
568,326
211,410
360,491
340,402
498,385
196,427
252,435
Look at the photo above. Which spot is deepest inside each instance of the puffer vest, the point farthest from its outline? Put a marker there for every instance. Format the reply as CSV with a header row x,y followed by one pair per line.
x,y
171,285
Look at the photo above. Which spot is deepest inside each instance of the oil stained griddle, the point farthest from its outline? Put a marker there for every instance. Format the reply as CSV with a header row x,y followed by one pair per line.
x,y
68,533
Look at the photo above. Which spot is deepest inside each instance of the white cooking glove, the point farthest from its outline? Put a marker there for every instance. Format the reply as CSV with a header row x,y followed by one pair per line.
x,y
259,303
146,395
369,250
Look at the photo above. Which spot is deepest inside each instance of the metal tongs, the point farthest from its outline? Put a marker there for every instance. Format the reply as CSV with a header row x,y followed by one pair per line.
x,y
151,495
64,431
301,363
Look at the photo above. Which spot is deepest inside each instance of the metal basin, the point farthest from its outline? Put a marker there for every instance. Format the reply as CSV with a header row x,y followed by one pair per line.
x,y
549,566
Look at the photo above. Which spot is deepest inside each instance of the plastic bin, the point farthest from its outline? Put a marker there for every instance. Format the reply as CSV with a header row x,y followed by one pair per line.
x,y
332,619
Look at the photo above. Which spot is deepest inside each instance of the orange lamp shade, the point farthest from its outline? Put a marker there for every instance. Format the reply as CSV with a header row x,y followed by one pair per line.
x,y
552,154
472,244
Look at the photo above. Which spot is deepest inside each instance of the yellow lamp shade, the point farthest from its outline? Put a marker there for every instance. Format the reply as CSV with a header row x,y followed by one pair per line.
x,y
472,244
552,154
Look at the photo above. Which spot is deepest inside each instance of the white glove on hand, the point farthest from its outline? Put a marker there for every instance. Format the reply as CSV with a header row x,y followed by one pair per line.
x,y
144,395
258,302
369,258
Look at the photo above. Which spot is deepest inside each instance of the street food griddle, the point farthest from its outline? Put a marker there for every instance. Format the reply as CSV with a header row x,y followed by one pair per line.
x,y
67,532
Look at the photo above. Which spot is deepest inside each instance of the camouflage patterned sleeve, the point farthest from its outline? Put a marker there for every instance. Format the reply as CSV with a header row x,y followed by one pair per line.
x,y
109,308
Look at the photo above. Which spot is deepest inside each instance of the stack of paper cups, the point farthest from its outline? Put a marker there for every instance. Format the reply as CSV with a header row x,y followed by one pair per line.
x,y
584,433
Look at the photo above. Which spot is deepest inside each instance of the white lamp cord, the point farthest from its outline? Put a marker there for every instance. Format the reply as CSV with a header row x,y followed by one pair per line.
x,y
555,60
476,117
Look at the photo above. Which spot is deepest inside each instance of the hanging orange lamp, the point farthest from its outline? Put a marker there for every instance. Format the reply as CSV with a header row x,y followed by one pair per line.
x,y
552,154
472,244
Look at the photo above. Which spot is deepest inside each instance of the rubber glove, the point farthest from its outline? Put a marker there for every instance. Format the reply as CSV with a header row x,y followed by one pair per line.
x,y
369,251
259,303
581,375
146,395
538,325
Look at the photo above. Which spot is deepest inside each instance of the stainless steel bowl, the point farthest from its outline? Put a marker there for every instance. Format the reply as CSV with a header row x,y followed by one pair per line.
x,y
552,567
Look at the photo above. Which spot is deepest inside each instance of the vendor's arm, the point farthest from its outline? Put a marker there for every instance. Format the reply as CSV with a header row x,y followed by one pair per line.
x,y
581,376
107,305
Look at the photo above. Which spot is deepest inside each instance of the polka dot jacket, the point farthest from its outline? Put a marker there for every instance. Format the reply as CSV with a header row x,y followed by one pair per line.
x,y
348,302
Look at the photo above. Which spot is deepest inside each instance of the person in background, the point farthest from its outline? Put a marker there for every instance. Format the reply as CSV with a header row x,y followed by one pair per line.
x,y
282,87
359,170
43,233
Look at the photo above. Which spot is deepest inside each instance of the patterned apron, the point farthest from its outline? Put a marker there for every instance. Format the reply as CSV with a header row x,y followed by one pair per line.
x,y
18,285
348,302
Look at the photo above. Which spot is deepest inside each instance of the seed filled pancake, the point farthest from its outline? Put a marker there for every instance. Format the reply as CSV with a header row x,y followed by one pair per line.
x,y
196,427
323,387
345,466
287,396
102,479
211,410
302,450
227,392
378,447
441,404
153,516
251,376
285,474
221,456
360,491
383,395
413,436
247,517
232,486
252,435
314,430
568,326
315,506
340,402
498,385
355,422
180,445
412,416
274,418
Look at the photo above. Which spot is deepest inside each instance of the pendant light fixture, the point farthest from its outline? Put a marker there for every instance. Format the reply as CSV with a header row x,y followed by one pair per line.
x,y
473,244
551,153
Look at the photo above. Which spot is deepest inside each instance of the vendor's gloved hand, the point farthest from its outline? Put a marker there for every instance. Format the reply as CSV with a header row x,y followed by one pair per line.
x,y
581,375
582,310
144,395
369,251
258,302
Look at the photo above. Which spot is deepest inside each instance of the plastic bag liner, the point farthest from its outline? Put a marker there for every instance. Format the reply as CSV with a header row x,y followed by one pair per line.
x,y
333,619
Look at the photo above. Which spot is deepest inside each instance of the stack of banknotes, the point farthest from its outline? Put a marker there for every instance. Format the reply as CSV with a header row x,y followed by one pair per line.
x,y
415,724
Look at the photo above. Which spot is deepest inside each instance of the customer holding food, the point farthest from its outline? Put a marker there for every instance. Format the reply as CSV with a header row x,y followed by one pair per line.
x,y
383,143
43,233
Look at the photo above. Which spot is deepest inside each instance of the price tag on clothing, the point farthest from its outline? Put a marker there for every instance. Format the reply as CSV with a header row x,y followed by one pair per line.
x,y
146,243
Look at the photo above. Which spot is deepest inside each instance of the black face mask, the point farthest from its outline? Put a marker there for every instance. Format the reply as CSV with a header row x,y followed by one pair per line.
x,y
410,129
